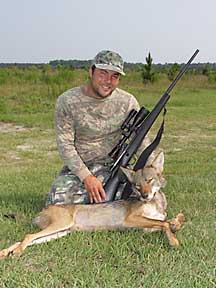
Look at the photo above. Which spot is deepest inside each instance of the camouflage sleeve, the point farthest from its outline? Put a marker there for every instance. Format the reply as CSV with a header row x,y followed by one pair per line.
x,y
64,125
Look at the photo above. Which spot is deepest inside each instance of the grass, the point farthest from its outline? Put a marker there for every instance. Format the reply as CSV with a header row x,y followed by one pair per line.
x,y
30,162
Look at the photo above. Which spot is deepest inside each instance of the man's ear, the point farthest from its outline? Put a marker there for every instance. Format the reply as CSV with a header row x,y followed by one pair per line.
x,y
128,173
158,162
90,72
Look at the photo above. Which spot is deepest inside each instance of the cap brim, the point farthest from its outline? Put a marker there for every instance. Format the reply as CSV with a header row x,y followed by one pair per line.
x,y
109,67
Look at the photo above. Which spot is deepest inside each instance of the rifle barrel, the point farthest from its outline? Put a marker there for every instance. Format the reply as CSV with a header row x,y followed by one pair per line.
x,y
181,72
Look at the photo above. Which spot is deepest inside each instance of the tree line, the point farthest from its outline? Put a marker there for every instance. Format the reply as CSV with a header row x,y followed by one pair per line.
x,y
83,64
149,70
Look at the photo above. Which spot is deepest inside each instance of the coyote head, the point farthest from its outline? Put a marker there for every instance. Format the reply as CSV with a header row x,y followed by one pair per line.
x,y
149,180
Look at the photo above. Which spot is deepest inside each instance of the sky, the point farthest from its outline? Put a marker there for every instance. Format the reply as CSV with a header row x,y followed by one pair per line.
x,y
38,31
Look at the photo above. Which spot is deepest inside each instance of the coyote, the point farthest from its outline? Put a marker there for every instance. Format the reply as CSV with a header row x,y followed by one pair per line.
x,y
147,210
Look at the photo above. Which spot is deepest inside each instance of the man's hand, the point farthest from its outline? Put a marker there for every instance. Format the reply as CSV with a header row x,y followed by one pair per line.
x,y
95,189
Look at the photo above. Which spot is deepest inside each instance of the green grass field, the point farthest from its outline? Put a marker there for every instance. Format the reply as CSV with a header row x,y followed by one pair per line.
x,y
30,161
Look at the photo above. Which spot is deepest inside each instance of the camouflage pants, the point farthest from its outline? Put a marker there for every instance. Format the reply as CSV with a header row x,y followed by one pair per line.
x,y
68,189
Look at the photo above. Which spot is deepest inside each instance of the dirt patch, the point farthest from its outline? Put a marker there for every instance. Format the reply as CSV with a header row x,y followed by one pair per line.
x,y
10,127
25,147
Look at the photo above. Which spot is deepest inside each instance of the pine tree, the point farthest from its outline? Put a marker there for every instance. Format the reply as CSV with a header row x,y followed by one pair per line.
x,y
148,74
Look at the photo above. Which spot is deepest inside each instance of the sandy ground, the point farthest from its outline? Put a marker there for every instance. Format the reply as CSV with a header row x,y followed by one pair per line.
x,y
10,127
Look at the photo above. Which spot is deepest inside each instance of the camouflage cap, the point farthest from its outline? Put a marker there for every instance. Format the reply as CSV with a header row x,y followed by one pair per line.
x,y
109,60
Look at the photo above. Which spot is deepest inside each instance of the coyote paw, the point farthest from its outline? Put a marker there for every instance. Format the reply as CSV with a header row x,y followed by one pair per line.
x,y
176,223
174,242
4,253
8,251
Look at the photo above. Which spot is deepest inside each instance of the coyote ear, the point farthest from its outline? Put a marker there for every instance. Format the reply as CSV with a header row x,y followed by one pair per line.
x,y
158,162
128,173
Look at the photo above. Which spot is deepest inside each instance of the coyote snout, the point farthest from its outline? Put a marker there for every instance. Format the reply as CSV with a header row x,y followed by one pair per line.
x,y
148,214
148,181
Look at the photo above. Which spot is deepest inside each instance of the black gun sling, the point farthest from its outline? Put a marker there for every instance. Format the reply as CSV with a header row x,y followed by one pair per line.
x,y
144,157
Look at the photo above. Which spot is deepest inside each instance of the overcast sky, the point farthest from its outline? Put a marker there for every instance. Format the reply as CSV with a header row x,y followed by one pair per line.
x,y
43,30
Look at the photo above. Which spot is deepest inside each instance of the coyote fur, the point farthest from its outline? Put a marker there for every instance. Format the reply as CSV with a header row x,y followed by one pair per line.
x,y
147,210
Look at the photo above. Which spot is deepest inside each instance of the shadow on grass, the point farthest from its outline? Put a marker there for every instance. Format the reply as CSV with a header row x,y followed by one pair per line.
x,y
23,203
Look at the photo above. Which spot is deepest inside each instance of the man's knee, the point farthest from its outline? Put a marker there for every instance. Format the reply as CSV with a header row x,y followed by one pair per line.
x,y
66,189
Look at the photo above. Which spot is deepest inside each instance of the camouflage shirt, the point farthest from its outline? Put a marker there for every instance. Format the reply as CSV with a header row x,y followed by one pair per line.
x,y
88,128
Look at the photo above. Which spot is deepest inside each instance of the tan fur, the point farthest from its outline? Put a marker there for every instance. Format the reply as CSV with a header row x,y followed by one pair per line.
x,y
59,220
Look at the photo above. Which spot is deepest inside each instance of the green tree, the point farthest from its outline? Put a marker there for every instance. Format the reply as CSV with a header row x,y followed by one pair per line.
x,y
211,76
148,74
172,71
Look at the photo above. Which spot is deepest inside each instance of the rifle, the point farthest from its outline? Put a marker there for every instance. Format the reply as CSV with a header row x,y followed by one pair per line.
x,y
137,130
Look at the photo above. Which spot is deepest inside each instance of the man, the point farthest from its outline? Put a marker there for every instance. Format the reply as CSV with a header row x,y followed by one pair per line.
x,y
87,121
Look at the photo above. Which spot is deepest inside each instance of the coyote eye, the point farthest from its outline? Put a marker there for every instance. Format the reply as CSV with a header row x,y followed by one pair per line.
x,y
149,180
137,187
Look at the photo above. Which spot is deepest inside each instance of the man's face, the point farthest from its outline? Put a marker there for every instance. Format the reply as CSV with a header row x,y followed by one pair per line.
x,y
103,82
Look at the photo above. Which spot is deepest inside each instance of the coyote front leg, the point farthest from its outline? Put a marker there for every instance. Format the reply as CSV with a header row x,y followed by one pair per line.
x,y
138,221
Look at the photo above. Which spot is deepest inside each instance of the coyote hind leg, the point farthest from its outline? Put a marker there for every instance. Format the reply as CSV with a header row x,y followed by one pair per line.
x,y
56,229
53,231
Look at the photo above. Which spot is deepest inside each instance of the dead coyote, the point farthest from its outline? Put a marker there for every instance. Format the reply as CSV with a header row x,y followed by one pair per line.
x,y
148,212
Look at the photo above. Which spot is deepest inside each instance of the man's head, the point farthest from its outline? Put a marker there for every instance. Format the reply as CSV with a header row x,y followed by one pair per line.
x,y
109,60
105,71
